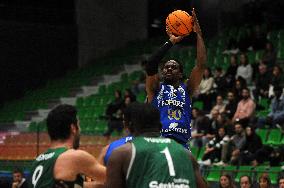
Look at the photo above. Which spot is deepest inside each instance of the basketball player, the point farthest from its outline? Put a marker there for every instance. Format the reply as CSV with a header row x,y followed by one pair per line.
x,y
172,96
62,165
150,160
107,150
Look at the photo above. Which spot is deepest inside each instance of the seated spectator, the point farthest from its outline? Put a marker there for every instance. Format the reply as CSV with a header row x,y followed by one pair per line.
x,y
245,181
129,93
224,121
114,115
201,127
281,182
276,116
269,55
220,105
18,179
261,83
277,79
231,71
244,69
231,106
214,147
214,124
246,108
226,181
236,143
240,83
248,151
219,82
206,89
264,181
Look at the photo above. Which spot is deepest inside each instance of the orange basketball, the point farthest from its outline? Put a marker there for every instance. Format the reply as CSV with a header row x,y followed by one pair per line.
x,y
179,22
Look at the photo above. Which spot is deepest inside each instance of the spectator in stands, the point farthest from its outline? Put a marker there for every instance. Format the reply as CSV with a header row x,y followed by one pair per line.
x,y
201,132
276,116
220,105
231,71
269,55
214,147
214,124
18,179
246,108
245,181
129,93
224,121
219,82
226,181
206,89
250,147
244,69
264,181
281,182
277,79
239,84
231,106
114,114
236,142
262,82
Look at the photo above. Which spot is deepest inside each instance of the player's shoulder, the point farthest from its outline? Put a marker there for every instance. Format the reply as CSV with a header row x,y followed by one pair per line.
x,y
74,155
124,149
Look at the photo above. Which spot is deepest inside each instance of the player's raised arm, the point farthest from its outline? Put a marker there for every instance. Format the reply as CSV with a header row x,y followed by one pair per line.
x,y
152,65
197,72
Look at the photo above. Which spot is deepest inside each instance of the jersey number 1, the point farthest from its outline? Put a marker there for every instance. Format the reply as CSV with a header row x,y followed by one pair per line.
x,y
169,160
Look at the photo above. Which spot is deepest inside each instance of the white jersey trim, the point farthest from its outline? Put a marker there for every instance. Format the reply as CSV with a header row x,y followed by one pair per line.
x,y
133,154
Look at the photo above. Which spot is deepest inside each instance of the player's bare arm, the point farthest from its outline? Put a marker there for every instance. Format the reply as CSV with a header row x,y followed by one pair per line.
x,y
102,155
197,72
117,167
82,163
200,183
152,77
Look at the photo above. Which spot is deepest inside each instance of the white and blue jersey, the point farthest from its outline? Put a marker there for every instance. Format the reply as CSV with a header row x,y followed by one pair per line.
x,y
174,105
114,145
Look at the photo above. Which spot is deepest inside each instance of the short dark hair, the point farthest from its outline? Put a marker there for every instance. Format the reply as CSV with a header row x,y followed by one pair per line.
x,y
142,117
249,178
59,121
17,170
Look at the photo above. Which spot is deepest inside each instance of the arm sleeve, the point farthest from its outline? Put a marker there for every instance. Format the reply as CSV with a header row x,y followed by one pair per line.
x,y
153,62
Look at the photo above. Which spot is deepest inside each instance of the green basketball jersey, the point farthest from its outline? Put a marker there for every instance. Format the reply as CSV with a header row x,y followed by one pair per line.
x,y
42,170
159,162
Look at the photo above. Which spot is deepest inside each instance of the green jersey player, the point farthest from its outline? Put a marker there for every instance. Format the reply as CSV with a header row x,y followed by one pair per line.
x,y
149,160
62,165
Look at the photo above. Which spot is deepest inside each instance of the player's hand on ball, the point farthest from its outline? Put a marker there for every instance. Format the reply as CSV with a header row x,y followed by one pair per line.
x,y
174,39
196,26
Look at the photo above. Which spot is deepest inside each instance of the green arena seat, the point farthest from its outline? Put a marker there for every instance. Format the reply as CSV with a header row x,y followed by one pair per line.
x,y
274,137
214,173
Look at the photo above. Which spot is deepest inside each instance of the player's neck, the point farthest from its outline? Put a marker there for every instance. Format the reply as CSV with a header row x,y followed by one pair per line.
x,y
61,143
150,134
173,83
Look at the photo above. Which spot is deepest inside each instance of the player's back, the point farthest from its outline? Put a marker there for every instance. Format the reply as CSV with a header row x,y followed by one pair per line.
x,y
42,171
159,162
